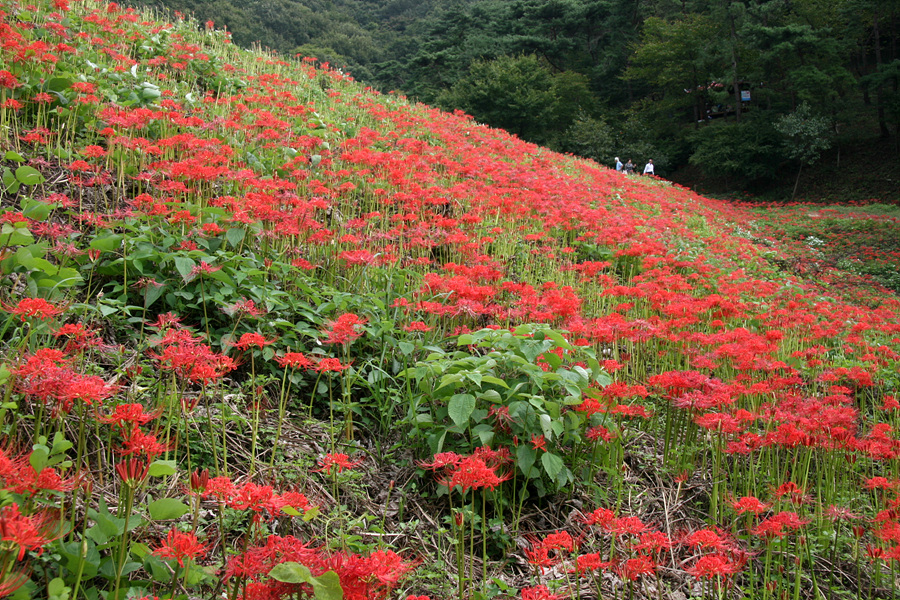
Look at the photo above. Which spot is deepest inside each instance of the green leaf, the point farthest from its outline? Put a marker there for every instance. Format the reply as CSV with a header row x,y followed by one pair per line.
x,y
107,244
235,236
152,294
9,181
553,464
495,381
326,586
38,211
29,175
15,236
485,433
184,265
58,590
162,468
167,508
525,457
465,340
13,155
460,408
291,572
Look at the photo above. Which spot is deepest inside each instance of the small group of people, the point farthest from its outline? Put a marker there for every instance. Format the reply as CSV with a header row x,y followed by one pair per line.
x,y
629,166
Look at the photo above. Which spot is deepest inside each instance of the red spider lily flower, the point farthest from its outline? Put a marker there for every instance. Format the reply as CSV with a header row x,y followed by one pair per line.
x,y
8,80
336,460
539,592
79,337
203,268
795,494
345,329
560,540
779,525
588,563
473,473
293,500
601,517
709,566
879,483
295,360
707,538
139,442
749,504
599,433
417,326
243,307
181,546
540,556
128,416
653,542
220,488
493,458
330,365
165,321
538,443
93,151
133,471
627,526
34,307
19,477
252,340
441,460
633,568
191,360
837,513
28,532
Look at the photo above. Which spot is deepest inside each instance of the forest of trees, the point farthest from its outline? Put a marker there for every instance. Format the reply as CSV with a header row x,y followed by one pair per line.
x,y
743,91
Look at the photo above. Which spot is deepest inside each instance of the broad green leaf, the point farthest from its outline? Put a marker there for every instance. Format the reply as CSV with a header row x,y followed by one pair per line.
x,y
29,175
15,236
291,572
107,244
465,340
9,181
162,468
58,84
152,294
494,380
553,464
184,265
460,408
38,211
235,236
167,508
525,457
485,433
15,156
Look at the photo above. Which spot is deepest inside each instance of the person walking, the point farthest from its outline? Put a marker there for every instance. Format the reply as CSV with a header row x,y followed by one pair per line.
x,y
629,167
648,168
619,164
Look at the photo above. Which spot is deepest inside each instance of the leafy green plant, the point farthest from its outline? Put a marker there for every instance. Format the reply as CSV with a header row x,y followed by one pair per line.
x,y
507,388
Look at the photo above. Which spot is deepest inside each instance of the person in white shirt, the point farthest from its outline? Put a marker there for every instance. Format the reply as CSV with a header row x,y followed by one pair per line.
x,y
648,169
619,164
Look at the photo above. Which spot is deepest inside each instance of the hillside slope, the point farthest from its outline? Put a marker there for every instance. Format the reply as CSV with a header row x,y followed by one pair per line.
x,y
269,334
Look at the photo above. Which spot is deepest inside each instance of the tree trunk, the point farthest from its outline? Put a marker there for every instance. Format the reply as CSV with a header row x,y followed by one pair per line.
x,y
879,91
797,182
734,72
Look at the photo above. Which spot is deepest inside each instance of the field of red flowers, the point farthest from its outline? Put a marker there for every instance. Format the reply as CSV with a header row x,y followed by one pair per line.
x,y
265,334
